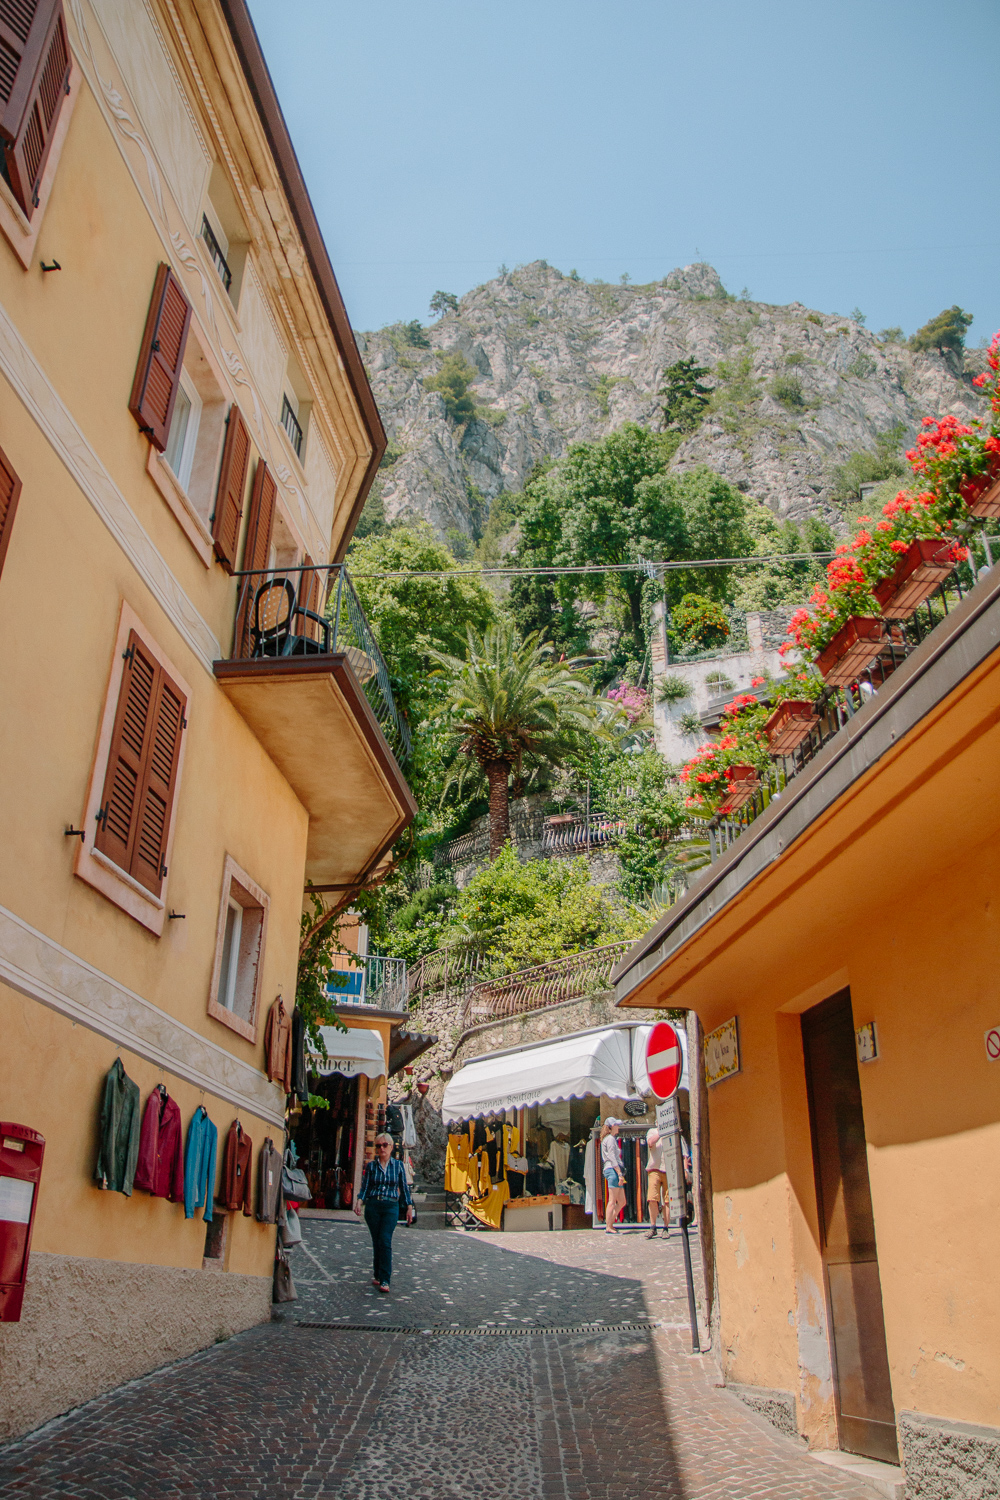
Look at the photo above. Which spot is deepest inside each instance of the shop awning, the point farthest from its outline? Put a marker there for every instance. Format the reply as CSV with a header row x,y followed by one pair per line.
x,y
351,1053
569,1067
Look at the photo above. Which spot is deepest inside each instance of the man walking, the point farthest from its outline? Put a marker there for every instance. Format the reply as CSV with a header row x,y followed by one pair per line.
x,y
383,1183
657,1191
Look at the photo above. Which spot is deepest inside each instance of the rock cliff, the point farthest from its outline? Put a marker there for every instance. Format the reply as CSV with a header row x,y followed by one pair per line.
x,y
560,360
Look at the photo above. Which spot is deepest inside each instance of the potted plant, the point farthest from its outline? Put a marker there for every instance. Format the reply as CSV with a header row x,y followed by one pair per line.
x,y
959,461
743,781
921,569
795,712
730,766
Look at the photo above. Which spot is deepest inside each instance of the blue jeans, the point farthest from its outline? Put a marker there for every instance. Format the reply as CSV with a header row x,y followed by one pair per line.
x,y
382,1219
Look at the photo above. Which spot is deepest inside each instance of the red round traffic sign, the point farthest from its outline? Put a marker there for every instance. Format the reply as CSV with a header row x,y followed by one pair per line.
x,y
664,1060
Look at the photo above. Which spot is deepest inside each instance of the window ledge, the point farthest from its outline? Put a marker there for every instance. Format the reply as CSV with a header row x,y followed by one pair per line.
x,y
22,233
180,506
127,879
247,1029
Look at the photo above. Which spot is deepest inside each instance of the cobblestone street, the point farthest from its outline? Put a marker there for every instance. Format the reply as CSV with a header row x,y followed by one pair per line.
x,y
379,1409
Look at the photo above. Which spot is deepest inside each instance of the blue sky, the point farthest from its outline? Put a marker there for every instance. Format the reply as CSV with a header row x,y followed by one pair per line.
x,y
841,155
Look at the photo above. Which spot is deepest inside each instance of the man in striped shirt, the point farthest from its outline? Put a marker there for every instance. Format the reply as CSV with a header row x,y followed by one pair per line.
x,y
383,1183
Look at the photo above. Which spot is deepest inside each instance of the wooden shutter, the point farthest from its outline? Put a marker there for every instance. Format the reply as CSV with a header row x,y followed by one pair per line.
x,y
310,592
158,373
134,817
10,493
257,552
232,483
34,79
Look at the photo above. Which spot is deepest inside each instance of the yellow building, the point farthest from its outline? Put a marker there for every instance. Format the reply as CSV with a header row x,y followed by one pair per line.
x,y
196,721
842,957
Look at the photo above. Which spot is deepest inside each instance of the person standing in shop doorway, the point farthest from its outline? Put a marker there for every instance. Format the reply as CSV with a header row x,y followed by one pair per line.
x,y
383,1183
657,1191
614,1174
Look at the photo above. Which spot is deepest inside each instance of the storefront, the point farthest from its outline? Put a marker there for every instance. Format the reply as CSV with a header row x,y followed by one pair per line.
x,y
523,1129
333,1142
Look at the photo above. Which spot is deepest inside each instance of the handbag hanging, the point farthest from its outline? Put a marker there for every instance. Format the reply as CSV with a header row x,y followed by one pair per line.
x,y
294,1183
291,1230
283,1289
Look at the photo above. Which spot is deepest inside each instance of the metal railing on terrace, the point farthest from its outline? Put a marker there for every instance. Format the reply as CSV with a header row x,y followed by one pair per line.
x,y
572,977
314,611
565,833
833,710
375,981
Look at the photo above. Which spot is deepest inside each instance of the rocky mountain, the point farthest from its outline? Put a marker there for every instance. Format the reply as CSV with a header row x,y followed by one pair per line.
x,y
559,359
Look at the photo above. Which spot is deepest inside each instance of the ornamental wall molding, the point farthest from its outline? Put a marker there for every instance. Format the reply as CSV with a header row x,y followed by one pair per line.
x,y
43,403
35,965
113,98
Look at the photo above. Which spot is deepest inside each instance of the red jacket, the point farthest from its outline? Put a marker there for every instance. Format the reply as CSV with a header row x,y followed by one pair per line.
x,y
234,1190
160,1168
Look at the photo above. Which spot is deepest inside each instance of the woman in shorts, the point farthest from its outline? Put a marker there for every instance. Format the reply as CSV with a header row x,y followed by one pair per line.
x,y
614,1174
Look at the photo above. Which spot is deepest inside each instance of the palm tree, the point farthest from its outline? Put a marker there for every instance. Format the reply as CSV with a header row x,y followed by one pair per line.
x,y
513,709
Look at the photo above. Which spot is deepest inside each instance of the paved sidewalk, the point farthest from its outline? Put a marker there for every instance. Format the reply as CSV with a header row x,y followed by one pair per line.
x,y
286,1411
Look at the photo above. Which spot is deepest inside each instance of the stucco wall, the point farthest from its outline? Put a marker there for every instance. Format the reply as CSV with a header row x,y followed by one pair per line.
x,y
88,1325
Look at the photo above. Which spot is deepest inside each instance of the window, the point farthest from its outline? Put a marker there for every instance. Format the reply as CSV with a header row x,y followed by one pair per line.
x,y
290,422
239,952
218,245
183,437
223,234
34,80
10,493
132,796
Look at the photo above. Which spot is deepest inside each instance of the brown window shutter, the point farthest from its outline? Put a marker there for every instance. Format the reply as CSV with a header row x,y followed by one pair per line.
x,y
34,78
232,483
257,552
10,493
161,356
139,785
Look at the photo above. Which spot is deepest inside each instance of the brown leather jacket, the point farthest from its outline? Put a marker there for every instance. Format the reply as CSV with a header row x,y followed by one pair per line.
x,y
278,1045
234,1190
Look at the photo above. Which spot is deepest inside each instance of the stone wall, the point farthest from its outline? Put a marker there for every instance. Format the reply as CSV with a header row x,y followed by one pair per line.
x,y
948,1460
539,1025
89,1325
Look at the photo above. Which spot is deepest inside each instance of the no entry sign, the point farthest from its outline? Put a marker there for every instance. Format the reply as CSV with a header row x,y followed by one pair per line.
x,y
664,1060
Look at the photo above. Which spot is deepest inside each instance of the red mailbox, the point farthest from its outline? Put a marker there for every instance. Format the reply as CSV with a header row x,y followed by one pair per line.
x,y
21,1152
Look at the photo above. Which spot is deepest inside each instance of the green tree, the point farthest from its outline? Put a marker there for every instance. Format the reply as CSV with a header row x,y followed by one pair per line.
x,y
686,398
508,709
443,302
635,786
945,332
452,381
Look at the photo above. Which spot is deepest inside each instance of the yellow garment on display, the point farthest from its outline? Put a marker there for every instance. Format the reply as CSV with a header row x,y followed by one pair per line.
x,y
456,1177
488,1210
511,1140
485,1180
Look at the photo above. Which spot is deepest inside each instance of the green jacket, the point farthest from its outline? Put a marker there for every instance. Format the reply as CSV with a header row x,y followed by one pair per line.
x,y
119,1140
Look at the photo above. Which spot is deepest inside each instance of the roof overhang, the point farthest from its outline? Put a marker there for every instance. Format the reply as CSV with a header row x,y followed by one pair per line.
x,y
314,721
405,1046
961,646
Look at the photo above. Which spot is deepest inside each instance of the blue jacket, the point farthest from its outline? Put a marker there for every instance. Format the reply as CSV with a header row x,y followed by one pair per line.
x,y
199,1165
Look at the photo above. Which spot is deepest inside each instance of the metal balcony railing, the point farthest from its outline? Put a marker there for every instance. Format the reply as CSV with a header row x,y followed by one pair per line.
x,y
835,708
577,833
375,981
219,261
314,611
290,423
569,978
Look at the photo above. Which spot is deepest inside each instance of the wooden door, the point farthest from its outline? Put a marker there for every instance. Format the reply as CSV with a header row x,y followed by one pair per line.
x,y
865,1413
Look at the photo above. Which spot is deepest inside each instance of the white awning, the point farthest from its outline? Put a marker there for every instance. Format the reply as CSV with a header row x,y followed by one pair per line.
x,y
569,1067
358,1050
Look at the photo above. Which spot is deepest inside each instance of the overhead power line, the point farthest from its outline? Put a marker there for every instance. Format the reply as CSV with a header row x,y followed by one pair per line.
x,y
650,567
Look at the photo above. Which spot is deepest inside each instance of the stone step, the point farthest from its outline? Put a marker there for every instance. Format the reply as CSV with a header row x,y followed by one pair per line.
x,y
883,1479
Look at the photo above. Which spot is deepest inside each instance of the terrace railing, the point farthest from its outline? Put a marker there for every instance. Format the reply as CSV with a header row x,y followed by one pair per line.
x,y
570,978
315,611
576,833
375,981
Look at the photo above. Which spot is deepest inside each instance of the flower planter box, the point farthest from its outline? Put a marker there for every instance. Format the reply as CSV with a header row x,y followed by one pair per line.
x,y
791,723
918,573
853,648
981,493
743,782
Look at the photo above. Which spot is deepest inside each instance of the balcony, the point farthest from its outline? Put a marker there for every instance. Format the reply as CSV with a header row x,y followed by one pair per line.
x,y
290,423
306,674
215,251
377,982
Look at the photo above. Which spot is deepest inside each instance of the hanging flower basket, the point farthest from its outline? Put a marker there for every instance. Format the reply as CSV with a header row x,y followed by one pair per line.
x,y
743,782
853,648
981,492
791,723
920,570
